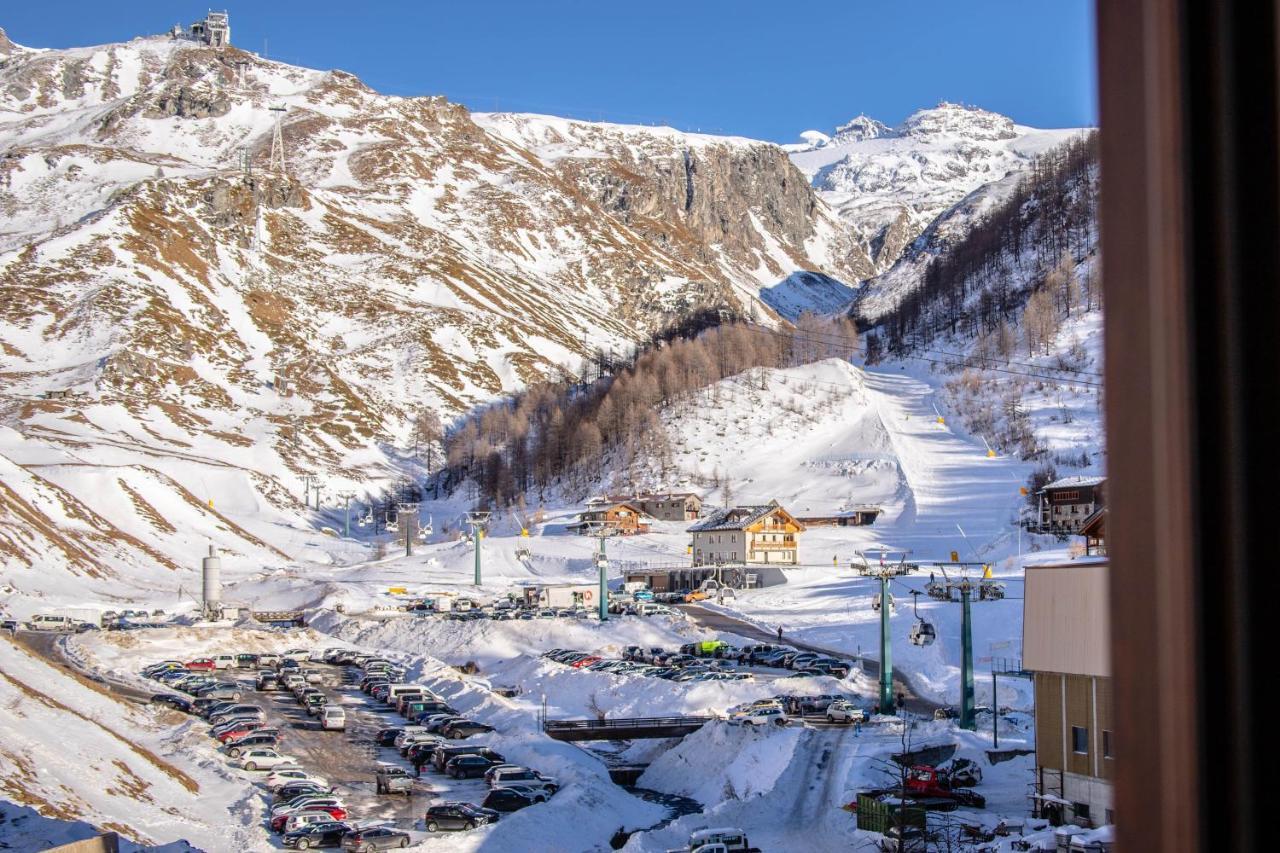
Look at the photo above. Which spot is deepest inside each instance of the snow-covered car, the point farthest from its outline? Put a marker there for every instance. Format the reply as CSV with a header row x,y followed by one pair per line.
x,y
263,759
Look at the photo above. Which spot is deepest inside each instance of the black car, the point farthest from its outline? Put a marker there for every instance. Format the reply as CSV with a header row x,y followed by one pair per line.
x,y
458,816
316,835
378,838
467,766
180,703
459,729
507,800
387,737
443,754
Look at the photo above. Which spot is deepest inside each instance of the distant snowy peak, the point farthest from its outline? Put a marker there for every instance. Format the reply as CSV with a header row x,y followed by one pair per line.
x,y
860,128
6,47
972,123
888,184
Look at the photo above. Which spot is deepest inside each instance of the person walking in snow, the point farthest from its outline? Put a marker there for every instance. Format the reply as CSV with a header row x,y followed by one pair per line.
x,y
419,759
779,633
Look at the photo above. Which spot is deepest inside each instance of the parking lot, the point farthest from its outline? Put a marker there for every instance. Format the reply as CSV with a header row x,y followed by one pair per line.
x,y
348,759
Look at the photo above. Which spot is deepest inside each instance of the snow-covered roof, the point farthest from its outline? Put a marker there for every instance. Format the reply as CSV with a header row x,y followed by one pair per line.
x,y
734,518
1074,482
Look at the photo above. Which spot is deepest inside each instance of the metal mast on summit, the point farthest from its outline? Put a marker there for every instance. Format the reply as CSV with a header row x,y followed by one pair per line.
x,y
277,163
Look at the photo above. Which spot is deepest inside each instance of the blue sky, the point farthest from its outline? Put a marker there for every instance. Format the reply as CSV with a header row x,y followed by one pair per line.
x,y
747,67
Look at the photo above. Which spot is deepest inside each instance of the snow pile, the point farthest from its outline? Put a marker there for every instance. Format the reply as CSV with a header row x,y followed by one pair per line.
x,y
722,762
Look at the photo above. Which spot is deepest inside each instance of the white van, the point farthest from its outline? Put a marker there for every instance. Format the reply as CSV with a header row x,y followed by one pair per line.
x,y
223,661
394,691
728,838
51,622
333,718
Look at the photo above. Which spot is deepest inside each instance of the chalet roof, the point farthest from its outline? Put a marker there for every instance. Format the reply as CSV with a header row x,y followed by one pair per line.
x,y
735,518
1074,483
1095,523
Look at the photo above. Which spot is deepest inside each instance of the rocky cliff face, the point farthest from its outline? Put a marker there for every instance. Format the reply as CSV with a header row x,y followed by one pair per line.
x,y
734,197
209,327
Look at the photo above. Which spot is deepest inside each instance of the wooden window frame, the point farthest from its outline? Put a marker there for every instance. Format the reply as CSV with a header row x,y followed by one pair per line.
x,y
1190,215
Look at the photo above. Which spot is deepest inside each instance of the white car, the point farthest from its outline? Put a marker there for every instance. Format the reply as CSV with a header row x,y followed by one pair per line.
x,y
298,804
742,710
841,711
281,777
299,655
333,718
263,759
761,717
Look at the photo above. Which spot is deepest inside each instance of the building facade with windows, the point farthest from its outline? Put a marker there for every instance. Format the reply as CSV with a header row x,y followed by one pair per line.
x,y
1066,648
1065,504
762,534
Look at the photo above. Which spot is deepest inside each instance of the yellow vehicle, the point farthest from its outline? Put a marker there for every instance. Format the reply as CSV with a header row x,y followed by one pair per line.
x,y
696,595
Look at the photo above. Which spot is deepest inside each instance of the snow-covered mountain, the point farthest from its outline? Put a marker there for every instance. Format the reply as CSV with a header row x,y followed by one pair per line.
x,y
187,328
889,184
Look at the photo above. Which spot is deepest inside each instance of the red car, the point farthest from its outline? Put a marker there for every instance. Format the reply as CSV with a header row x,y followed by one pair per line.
x,y
278,822
238,732
587,661
201,665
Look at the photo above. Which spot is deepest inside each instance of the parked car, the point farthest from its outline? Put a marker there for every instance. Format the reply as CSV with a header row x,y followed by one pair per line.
x,y
201,665
387,737
285,821
303,802
761,717
236,730
267,680
219,690
393,779
333,718
844,711
293,790
327,833
443,753
457,816
280,778
377,838
178,703
510,799
459,729
263,759
251,741
521,777
467,766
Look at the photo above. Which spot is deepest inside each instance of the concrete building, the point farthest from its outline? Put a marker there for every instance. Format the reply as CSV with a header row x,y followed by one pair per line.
x,y
747,534
1065,645
1065,504
214,30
